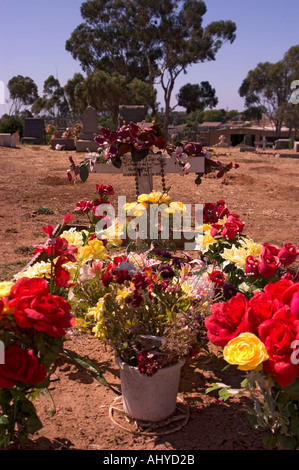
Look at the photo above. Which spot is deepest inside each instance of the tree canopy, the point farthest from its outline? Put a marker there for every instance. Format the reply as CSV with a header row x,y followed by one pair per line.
x,y
193,97
22,91
268,86
151,40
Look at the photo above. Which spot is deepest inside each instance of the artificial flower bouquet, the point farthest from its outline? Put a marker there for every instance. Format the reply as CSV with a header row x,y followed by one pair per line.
x,y
256,321
143,139
260,336
148,307
245,265
33,325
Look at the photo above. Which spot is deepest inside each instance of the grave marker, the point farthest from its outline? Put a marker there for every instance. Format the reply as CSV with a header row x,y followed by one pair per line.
x,y
34,131
131,114
90,129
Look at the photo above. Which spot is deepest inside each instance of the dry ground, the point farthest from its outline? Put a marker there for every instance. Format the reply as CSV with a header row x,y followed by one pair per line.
x,y
34,191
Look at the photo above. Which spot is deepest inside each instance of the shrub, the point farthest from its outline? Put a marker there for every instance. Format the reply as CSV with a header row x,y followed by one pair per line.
x,y
12,124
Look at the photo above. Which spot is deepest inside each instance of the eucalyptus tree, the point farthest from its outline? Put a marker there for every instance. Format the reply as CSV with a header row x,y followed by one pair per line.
x,y
197,96
269,86
152,40
22,92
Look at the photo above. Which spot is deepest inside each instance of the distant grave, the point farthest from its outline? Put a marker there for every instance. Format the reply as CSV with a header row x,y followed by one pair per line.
x,y
129,114
60,143
282,143
34,131
90,129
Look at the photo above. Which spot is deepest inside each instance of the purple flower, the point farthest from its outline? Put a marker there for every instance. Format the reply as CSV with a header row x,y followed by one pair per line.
x,y
165,254
166,272
229,291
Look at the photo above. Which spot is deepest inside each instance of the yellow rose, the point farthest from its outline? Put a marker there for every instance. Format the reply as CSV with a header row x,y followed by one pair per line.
x,y
73,237
39,269
5,288
247,351
143,198
84,253
99,251
130,207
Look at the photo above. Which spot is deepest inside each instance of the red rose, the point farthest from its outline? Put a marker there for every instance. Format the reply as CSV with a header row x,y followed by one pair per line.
x,y
44,312
84,206
62,277
107,278
106,189
232,227
273,249
262,306
288,254
216,230
121,276
251,266
295,305
227,320
27,287
279,288
217,278
213,212
21,366
279,334
268,265
288,294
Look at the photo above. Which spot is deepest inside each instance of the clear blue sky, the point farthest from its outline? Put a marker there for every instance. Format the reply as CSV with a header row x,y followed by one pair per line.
x,y
33,35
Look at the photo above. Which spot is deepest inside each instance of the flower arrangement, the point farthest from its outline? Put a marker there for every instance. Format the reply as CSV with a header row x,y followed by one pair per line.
x,y
156,198
33,325
138,139
261,337
72,132
247,266
144,138
149,309
256,321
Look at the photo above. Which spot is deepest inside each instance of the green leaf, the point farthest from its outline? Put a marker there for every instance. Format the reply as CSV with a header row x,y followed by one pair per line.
x,y
116,161
88,365
84,172
138,155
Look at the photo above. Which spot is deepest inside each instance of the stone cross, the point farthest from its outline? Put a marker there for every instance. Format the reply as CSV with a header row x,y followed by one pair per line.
x,y
153,165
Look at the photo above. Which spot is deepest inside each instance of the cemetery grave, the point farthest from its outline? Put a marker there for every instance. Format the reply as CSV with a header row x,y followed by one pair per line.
x,y
264,191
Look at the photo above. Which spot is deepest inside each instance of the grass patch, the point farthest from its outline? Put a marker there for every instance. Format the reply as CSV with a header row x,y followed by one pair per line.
x,y
11,230
7,270
43,211
24,250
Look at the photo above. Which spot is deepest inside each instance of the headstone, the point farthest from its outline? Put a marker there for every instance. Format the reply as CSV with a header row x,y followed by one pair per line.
x,y
282,144
129,114
34,131
5,140
296,146
90,129
248,140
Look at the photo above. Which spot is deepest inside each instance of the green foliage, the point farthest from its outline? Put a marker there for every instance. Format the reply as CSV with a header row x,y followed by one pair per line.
x,y
269,86
214,115
197,97
149,40
22,91
12,124
53,102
